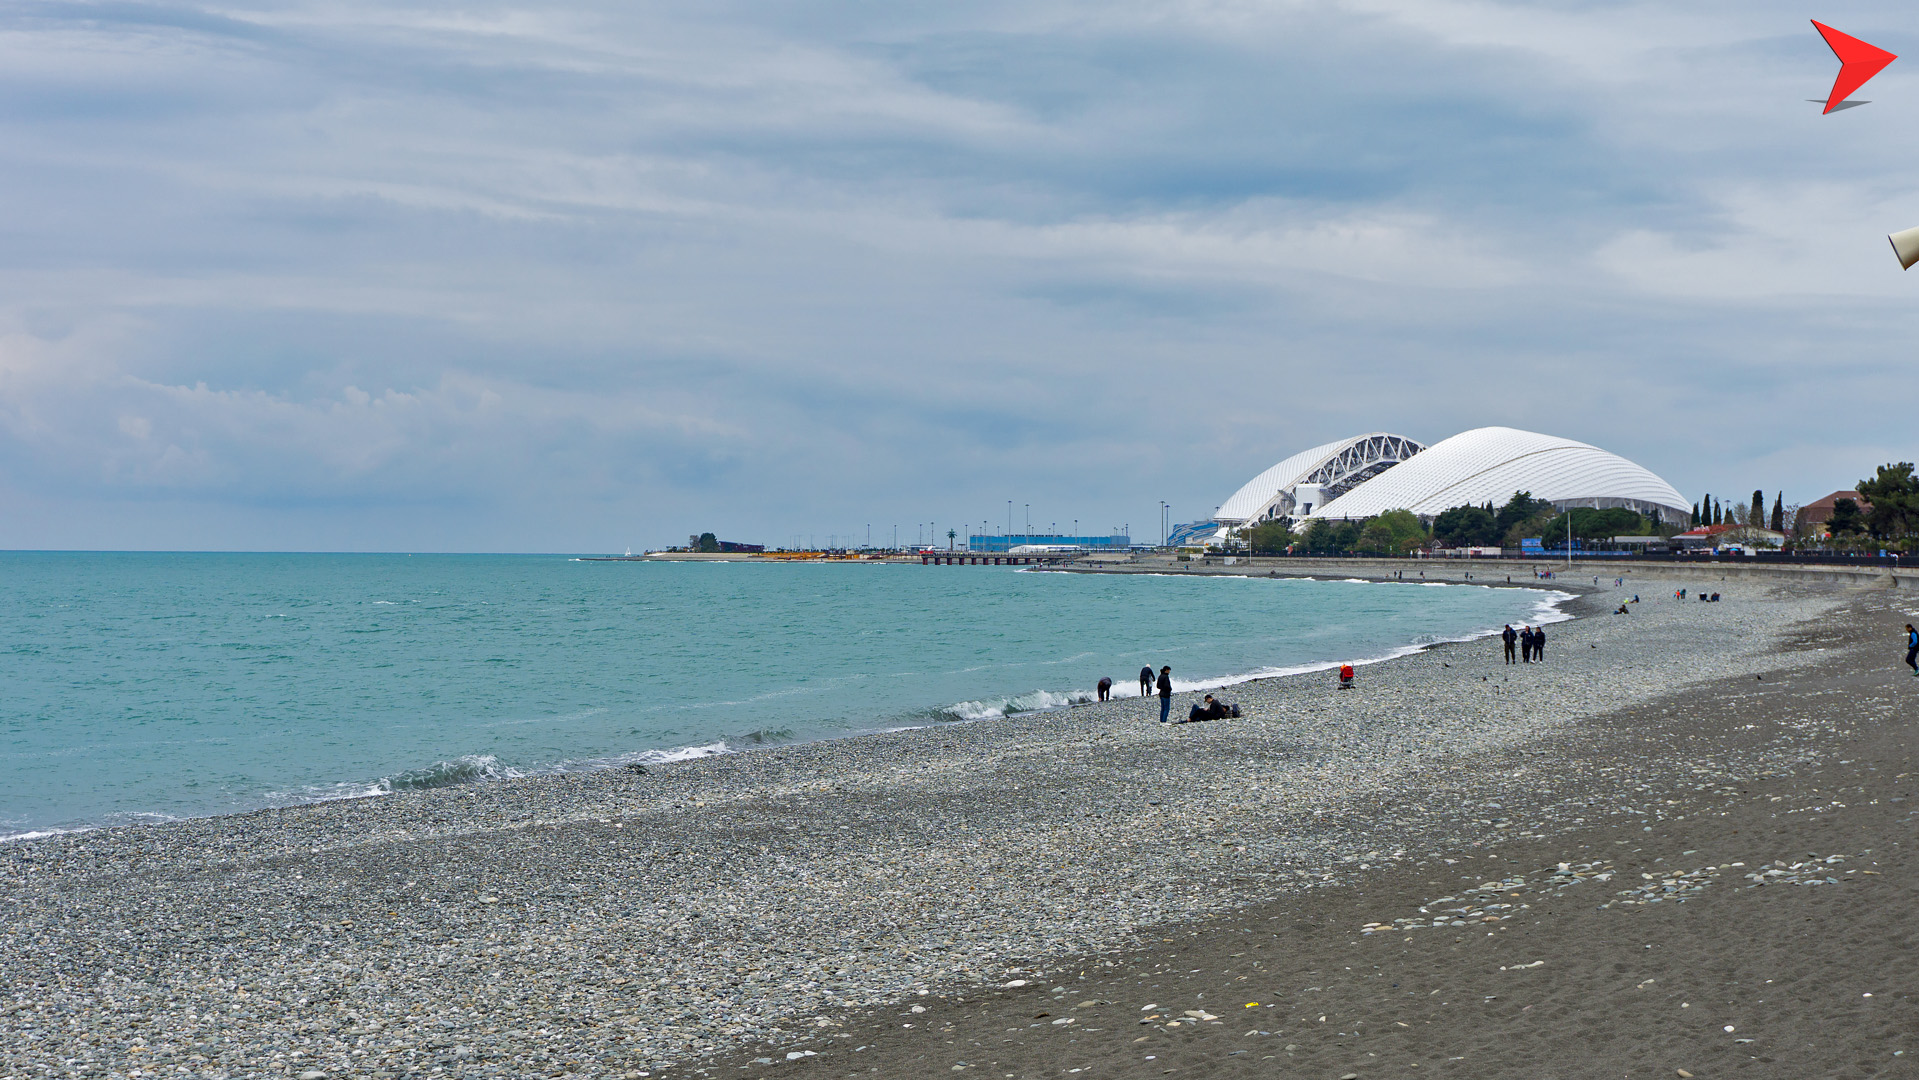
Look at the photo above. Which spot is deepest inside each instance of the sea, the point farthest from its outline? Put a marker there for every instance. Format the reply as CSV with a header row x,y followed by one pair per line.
x,y
149,687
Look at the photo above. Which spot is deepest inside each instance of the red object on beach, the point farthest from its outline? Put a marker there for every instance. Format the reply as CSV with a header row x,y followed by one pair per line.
x,y
1345,674
1858,61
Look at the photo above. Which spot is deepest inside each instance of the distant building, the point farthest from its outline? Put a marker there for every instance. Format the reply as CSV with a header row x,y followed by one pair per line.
x,y
1193,534
1814,515
1719,536
727,547
1048,540
1368,475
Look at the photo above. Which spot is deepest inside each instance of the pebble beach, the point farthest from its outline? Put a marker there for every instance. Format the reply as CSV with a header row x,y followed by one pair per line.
x,y
723,913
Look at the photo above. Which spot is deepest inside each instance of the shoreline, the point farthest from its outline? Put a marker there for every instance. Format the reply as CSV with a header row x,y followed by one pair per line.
x,y
1553,606
644,921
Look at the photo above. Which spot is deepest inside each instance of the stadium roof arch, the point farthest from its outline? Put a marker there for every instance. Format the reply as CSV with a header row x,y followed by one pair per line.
x,y
1491,463
1335,468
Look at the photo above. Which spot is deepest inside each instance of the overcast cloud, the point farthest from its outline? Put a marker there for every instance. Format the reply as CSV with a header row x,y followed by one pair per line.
x,y
576,277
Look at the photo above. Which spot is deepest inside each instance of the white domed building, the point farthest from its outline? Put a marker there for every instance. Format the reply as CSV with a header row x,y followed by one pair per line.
x,y
1367,475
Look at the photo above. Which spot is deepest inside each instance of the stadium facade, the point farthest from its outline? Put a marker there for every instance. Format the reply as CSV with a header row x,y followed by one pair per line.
x,y
1366,475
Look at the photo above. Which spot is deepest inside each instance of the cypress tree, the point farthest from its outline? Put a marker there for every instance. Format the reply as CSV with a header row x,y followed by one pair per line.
x,y
1718,513
1779,512
1695,515
1756,517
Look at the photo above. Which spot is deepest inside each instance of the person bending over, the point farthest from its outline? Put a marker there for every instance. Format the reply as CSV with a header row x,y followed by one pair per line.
x,y
1912,649
1146,682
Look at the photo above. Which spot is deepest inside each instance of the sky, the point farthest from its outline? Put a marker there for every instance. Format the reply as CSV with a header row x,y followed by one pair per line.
x,y
583,277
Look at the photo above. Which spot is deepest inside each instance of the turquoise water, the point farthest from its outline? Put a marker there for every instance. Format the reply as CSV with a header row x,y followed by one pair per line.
x,y
153,686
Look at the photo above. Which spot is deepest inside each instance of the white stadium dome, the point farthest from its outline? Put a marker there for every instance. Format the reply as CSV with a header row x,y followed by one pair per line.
x,y
1491,463
1329,471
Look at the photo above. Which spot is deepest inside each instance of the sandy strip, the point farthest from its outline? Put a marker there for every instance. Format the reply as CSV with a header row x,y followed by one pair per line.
x,y
616,924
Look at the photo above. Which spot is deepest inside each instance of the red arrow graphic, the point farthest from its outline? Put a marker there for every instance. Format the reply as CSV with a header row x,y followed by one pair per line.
x,y
1858,61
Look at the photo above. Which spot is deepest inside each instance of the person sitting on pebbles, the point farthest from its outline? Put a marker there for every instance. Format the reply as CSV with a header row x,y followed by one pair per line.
x,y
1210,709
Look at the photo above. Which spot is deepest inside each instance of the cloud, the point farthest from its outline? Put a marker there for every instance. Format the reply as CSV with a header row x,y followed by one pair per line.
x,y
593,274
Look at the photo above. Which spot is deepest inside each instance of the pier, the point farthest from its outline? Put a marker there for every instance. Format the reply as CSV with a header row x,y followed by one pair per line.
x,y
980,558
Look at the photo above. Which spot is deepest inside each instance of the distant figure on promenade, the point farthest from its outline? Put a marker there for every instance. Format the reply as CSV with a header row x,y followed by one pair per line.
x,y
1146,682
1345,676
1539,645
1105,689
1912,649
1165,692
1511,638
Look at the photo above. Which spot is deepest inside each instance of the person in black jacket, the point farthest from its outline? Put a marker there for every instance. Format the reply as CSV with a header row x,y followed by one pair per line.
x,y
1539,645
1165,692
1146,681
1511,638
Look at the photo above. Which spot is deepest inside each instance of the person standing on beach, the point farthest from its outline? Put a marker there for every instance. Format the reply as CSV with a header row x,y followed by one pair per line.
x,y
1912,649
1526,644
1105,688
1539,645
1511,638
1146,681
1165,692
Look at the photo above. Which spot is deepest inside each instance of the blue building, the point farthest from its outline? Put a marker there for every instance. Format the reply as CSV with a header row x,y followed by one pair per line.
x,y
1007,543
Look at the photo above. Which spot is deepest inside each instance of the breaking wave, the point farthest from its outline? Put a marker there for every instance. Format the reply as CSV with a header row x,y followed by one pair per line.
x,y
1033,701
461,770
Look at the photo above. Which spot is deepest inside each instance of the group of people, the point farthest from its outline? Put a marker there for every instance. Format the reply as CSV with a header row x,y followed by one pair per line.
x,y
1528,641
1162,683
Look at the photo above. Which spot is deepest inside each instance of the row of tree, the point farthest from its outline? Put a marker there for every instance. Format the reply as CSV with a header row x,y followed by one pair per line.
x,y
1893,520
1708,511
1889,519
1400,532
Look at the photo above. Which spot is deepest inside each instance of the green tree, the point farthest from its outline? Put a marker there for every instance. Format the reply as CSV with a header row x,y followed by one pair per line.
x,y
708,542
1522,507
1324,537
1894,495
1466,526
1395,532
1846,519
1591,524
1779,512
1695,515
1268,537
1756,517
